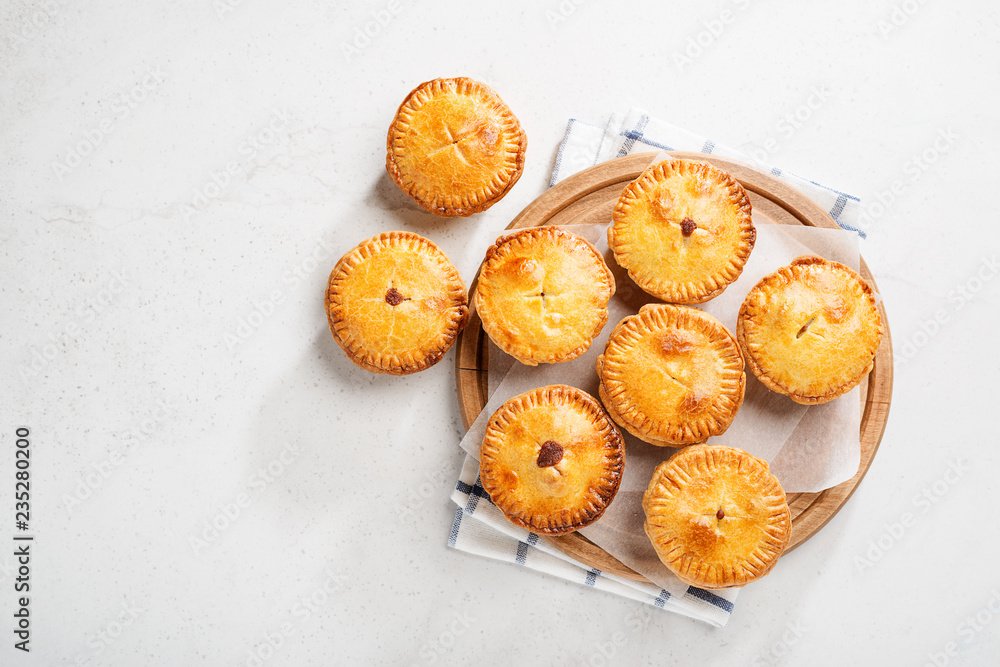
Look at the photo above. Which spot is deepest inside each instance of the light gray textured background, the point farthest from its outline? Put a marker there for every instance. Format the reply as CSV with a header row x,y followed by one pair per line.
x,y
156,396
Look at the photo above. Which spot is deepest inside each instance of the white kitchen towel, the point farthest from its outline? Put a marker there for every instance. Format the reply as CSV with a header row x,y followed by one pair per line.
x,y
637,132
481,528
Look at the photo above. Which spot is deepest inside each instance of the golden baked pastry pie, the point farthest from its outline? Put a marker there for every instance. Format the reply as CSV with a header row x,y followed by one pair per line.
x,y
551,459
810,330
455,147
395,303
682,230
671,375
543,294
716,516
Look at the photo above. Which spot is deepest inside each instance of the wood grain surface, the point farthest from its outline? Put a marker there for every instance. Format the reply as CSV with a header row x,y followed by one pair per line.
x,y
589,197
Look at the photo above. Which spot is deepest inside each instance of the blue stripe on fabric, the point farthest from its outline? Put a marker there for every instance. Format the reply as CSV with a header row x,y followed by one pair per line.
x,y
472,490
470,505
632,136
708,147
637,136
475,492
851,228
522,553
661,599
826,187
453,538
711,598
838,206
592,574
559,155
522,548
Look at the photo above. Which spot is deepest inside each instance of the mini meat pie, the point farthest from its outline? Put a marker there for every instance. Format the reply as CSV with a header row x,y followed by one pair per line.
x,y
395,304
810,330
716,516
455,147
683,231
671,375
551,459
543,294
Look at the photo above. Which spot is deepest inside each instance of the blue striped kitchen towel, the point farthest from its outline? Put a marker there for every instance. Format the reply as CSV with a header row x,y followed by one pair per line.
x,y
637,132
481,528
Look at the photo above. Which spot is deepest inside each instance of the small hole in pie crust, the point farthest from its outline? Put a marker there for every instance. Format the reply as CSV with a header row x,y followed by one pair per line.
x,y
688,226
805,327
550,454
393,297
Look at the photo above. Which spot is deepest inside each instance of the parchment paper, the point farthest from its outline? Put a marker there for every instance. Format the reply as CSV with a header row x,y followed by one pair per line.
x,y
809,448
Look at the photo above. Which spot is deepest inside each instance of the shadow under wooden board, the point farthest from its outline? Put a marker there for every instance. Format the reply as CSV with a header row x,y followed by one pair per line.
x,y
590,197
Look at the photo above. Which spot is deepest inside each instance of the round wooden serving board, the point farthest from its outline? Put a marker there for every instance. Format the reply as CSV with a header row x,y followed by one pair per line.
x,y
589,197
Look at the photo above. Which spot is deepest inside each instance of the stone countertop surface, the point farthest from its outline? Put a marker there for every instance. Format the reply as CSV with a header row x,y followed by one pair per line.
x,y
213,482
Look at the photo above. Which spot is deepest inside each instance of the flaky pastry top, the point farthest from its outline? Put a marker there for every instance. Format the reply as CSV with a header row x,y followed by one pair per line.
x,y
810,330
716,516
395,303
543,294
672,375
682,230
455,147
551,459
